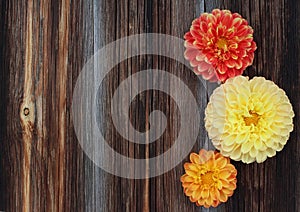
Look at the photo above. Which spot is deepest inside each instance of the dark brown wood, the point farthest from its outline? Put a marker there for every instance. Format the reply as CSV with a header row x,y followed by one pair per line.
x,y
44,45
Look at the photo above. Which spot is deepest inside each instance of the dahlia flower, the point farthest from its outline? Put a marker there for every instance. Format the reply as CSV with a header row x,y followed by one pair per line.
x,y
219,45
209,179
249,120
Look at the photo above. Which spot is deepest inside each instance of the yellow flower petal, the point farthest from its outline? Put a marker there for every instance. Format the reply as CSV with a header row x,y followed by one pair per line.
x,y
258,119
246,147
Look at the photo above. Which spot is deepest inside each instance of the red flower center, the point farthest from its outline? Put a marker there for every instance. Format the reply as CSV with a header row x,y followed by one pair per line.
x,y
222,44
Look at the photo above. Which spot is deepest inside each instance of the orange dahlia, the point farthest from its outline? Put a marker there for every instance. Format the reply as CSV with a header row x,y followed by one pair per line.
x,y
210,178
219,45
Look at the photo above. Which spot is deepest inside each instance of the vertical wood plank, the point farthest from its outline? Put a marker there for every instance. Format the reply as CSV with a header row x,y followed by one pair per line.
x,y
41,160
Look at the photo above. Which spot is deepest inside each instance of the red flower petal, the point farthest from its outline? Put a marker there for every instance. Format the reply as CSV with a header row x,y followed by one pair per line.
x,y
224,42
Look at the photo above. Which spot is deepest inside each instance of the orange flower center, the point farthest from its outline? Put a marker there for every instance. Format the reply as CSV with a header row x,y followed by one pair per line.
x,y
207,178
222,44
253,119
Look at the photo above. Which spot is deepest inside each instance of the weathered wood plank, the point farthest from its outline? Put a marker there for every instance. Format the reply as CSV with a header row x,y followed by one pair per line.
x,y
35,67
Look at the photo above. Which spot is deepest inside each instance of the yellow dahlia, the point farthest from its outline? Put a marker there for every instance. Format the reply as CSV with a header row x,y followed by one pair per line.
x,y
249,120
210,178
219,45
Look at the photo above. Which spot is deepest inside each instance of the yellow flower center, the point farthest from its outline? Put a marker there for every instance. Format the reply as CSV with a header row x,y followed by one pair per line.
x,y
253,119
222,44
207,178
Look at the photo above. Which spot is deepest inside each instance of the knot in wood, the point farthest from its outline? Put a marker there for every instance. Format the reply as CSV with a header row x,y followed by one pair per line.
x,y
26,111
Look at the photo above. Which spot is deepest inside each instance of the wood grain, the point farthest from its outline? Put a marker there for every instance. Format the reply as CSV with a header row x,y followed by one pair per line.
x,y
44,45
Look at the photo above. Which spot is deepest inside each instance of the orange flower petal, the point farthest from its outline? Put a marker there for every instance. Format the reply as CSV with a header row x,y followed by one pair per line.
x,y
209,179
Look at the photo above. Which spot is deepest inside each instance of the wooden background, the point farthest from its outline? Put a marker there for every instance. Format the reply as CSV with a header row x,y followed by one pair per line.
x,y
44,45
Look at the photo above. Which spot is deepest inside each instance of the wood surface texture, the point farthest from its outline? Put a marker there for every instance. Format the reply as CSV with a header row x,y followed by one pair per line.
x,y
44,45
